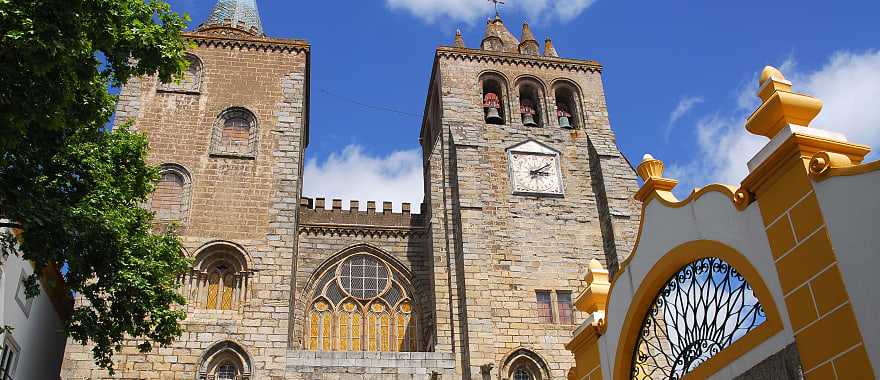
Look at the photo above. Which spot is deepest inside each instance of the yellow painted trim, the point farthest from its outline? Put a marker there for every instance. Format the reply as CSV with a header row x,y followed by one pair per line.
x,y
665,268
729,191
822,168
803,147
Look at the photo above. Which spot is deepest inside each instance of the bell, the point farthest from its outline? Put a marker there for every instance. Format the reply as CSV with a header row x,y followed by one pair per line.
x,y
529,120
564,122
492,116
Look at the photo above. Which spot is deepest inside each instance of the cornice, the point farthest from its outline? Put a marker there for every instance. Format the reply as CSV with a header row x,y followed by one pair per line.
x,y
324,229
250,42
518,59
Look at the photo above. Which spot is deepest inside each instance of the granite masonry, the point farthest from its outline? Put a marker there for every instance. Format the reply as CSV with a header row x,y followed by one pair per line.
x,y
475,283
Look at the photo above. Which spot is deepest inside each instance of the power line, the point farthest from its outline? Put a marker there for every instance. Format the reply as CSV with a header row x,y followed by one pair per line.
x,y
362,104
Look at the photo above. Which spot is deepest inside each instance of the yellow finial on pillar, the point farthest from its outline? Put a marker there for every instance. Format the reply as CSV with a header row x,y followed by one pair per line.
x,y
780,105
651,171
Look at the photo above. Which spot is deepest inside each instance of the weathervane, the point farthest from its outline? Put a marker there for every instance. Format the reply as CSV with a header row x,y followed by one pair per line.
x,y
497,14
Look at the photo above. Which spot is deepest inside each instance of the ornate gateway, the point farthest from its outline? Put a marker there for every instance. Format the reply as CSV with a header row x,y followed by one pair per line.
x,y
701,310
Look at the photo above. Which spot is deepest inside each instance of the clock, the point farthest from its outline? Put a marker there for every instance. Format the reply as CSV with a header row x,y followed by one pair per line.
x,y
534,169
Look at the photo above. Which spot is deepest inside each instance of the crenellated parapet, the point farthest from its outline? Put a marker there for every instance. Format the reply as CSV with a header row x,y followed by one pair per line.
x,y
318,216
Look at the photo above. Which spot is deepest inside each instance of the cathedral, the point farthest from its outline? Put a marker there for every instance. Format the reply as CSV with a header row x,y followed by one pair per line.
x,y
524,187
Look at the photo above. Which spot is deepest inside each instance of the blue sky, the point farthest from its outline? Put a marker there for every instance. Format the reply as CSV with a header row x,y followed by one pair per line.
x,y
679,76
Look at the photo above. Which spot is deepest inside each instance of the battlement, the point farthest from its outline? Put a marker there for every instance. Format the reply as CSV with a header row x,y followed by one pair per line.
x,y
319,211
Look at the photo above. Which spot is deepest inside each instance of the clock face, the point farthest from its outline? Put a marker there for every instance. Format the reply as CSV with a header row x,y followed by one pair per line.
x,y
535,173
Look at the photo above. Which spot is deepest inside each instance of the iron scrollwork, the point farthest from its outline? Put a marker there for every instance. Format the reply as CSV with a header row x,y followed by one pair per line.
x,y
705,307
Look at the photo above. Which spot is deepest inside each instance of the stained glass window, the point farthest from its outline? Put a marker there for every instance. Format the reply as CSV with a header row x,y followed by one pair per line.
x,y
371,305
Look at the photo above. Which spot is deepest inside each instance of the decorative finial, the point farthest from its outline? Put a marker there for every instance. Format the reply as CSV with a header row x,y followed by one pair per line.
x,y
497,13
650,167
781,106
459,40
549,50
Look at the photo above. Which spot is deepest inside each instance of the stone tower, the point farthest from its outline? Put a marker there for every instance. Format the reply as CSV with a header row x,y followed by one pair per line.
x,y
230,139
524,185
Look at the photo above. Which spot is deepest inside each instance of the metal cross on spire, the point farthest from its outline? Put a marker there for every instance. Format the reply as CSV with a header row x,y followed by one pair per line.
x,y
497,14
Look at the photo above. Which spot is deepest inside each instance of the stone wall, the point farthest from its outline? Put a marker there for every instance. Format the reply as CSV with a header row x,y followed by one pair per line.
x,y
308,365
247,203
495,248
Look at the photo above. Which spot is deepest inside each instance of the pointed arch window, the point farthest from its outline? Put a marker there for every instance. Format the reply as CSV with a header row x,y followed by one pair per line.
x,y
702,309
361,303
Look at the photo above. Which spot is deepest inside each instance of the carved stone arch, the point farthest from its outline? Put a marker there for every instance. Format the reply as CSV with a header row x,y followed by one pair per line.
x,y
524,358
225,352
531,89
495,81
568,93
172,199
352,250
220,277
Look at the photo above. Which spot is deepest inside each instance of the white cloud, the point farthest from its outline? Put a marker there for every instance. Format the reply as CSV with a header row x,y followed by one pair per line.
x,y
849,86
472,10
684,106
353,175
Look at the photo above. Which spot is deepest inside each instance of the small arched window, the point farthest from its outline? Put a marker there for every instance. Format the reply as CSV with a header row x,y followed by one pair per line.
x,y
219,280
530,104
171,198
191,81
361,304
225,361
524,364
493,96
235,134
567,102
701,310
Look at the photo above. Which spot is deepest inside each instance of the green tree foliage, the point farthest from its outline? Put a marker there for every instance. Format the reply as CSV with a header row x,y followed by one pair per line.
x,y
76,189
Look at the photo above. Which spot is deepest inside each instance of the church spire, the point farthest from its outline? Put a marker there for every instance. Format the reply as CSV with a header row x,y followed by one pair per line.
x,y
529,45
549,50
238,14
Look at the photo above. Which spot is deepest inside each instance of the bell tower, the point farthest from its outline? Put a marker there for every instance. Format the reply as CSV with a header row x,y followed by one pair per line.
x,y
524,186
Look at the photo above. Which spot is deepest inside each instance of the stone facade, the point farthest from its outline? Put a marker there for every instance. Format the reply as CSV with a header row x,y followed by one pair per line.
x,y
469,262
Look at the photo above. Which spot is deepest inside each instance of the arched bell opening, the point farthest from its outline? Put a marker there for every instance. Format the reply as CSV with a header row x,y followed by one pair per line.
x,y
493,98
530,109
567,110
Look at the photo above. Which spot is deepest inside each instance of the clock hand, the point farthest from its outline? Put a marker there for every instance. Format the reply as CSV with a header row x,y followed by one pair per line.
x,y
536,171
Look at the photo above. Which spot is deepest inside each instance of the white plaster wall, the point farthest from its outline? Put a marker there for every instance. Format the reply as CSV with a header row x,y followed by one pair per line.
x,y
850,206
37,334
711,217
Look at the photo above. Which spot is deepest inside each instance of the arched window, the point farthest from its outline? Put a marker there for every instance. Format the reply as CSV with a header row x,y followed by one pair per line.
x,y
524,364
219,280
225,361
191,80
235,134
171,198
567,102
702,309
493,97
530,109
361,303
